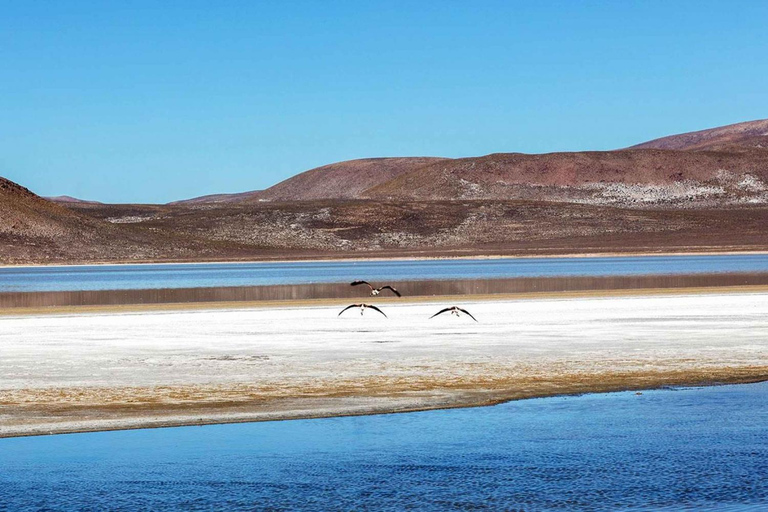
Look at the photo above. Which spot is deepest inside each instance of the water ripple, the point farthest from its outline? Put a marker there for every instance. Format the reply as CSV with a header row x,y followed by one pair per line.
x,y
694,449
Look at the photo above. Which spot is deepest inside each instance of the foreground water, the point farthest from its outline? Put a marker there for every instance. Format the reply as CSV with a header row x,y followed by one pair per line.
x,y
696,448
123,277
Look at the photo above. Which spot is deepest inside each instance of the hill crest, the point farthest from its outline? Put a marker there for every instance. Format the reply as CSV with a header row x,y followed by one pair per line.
x,y
738,136
725,162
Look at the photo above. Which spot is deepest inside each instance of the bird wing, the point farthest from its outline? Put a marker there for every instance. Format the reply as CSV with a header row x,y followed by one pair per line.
x,y
440,312
355,283
390,288
468,313
380,311
348,307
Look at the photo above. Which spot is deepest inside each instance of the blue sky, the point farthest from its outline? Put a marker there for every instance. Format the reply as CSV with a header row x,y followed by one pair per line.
x,y
155,101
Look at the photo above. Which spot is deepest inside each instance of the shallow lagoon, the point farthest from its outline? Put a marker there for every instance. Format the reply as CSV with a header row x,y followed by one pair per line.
x,y
695,448
126,277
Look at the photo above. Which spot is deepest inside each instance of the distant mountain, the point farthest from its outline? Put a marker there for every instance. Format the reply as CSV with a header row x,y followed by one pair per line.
x,y
739,136
218,198
727,165
628,177
342,180
70,200
715,167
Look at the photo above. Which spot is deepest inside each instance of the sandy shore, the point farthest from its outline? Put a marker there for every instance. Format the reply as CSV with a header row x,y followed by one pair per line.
x,y
88,371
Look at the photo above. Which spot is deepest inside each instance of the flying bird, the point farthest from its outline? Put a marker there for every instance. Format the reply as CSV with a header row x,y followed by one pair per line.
x,y
454,311
362,309
376,291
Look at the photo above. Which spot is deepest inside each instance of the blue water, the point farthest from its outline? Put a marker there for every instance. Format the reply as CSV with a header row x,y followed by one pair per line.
x,y
687,449
120,277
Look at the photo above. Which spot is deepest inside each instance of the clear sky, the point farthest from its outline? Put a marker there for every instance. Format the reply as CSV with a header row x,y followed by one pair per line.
x,y
153,101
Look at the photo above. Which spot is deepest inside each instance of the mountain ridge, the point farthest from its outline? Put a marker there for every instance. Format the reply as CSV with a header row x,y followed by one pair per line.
x,y
708,163
339,180
744,135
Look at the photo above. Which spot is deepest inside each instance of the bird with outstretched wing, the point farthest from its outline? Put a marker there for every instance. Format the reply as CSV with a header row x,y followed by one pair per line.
x,y
454,310
362,309
375,291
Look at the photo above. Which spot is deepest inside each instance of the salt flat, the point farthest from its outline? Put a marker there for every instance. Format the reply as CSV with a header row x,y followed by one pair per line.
x,y
61,373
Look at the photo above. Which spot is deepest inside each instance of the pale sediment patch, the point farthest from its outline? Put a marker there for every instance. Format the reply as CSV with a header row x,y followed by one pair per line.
x,y
84,372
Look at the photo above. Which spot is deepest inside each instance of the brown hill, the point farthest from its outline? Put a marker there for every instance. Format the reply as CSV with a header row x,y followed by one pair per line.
x,y
218,198
35,230
27,214
364,228
748,135
70,200
629,177
720,166
343,180
715,167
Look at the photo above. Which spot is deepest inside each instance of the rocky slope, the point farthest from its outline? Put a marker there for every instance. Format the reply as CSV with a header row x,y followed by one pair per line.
x,y
709,168
33,227
341,180
734,137
310,229
629,178
36,230
718,167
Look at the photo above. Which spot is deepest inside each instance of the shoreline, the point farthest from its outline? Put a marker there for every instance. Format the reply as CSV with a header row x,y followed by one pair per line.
x,y
412,290
231,416
341,257
388,301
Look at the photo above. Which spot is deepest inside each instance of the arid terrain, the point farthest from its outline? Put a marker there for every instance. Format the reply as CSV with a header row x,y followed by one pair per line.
x,y
701,191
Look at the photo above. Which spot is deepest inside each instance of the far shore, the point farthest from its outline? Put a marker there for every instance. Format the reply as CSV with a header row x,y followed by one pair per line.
x,y
340,302
439,255
84,372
